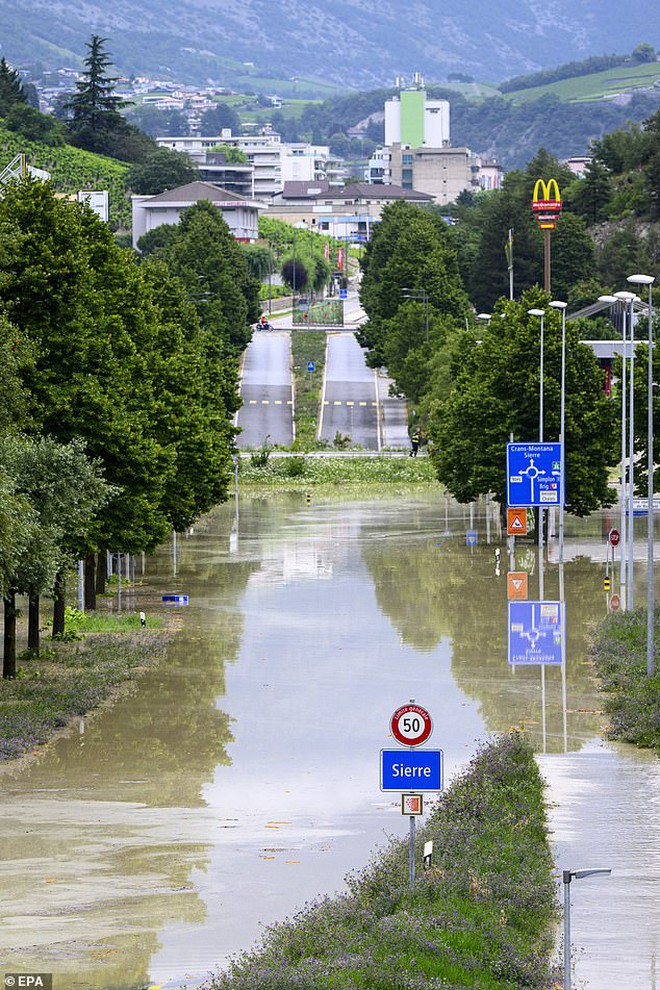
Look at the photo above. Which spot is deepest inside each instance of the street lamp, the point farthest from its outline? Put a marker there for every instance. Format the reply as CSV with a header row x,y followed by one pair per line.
x,y
627,298
562,418
540,313
650,591
614,301
567,876
423,296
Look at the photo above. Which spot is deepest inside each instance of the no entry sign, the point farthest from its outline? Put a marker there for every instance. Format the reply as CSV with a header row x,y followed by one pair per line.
x,y
411,725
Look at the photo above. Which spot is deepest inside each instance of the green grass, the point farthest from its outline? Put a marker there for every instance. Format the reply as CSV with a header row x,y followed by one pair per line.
x,y
69,680
306,346
336,474
632,697
481,918
79,623
597,86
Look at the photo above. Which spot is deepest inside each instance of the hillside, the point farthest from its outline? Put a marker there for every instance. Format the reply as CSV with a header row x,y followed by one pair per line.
x,y
354,43
72,169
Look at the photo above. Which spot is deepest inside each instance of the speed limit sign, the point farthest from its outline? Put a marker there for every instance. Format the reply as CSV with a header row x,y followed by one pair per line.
x,y
411,725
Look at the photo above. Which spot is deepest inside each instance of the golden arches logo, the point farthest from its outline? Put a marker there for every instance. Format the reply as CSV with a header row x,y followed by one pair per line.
x,y
546,196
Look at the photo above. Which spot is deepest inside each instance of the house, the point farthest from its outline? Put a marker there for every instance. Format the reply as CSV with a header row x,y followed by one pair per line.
x,y
240,214
347,212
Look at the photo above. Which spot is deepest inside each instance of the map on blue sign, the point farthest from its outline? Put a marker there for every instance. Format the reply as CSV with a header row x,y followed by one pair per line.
x,y
536,633
533,474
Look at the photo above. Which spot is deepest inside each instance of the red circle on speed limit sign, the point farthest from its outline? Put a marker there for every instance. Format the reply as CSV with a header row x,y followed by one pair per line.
x,y
411,725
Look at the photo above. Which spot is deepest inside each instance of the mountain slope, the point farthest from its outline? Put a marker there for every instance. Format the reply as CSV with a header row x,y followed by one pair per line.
x,y
357,42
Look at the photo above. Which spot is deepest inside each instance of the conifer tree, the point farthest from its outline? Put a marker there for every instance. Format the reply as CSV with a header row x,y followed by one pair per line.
x,y
11,87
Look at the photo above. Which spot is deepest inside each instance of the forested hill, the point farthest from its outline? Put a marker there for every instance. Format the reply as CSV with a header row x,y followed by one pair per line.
x,y
349,42
509,131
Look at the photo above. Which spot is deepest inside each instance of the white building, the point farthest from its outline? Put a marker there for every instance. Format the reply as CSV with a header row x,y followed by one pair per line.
x,y
273,161
241,215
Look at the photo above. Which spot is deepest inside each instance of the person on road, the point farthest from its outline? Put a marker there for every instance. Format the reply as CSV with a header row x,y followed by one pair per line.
x,y
414,442
263,324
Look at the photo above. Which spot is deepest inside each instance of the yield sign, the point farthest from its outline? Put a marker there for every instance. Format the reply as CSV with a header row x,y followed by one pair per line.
x,y
516,586
516,522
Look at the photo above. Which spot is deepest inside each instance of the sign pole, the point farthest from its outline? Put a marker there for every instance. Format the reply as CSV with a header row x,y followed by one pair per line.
x,y
412,852
547,279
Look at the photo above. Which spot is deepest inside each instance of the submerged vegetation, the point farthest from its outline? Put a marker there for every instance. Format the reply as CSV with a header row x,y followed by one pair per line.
x,y
72,678
482,916
632,697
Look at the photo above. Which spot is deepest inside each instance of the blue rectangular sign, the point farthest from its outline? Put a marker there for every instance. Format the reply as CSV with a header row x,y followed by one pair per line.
x,y
533,474
411,769
174,599
536,633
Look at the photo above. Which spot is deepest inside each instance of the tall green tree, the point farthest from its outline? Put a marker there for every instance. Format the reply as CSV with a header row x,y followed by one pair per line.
x,y
93,116
164,169
410,249
494,394
80,299
12,90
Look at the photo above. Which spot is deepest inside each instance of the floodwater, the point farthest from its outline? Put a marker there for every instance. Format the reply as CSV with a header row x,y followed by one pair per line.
x,y
241,778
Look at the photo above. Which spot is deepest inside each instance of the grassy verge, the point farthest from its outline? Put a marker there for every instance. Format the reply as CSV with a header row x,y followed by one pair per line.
x,y
70,678
306,346
632,697
482,917
285,473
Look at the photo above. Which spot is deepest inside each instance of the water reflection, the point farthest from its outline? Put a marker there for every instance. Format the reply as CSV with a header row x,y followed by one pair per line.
x,y
241,777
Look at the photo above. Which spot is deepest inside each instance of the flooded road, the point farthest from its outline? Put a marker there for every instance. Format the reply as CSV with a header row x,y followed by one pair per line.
x,y
241,778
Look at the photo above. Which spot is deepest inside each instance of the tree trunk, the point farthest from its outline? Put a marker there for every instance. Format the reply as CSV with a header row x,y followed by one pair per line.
x,y
9,658
33,624
101,572
90,581
59,603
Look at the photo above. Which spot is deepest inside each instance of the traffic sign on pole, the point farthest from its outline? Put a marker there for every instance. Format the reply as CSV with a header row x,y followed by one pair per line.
x,y
536,633
516,522
411,725
614,536
411,769
533,473
517,584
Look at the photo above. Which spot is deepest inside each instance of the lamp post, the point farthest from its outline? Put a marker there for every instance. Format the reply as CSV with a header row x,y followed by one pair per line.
x,y
562,420
650,590
614,301
423,296
567,877
627,299
540,313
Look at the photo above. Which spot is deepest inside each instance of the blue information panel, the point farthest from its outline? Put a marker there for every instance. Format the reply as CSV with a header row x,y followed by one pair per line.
x,y
533,474
174,599
471,538
411,769
536,633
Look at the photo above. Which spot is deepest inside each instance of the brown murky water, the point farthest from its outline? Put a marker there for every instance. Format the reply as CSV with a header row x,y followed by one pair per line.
x,y
241,778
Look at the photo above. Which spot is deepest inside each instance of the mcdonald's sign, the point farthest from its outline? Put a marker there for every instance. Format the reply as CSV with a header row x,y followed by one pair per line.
x,y
546,198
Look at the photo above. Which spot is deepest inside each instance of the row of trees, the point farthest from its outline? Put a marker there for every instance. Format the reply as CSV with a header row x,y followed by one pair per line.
x,y
475,384
119,384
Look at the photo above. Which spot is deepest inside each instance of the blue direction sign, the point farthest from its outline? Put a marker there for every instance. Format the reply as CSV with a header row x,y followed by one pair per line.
x,y
536,633
411,769
533,474
343,293
174,599
311,366
471,538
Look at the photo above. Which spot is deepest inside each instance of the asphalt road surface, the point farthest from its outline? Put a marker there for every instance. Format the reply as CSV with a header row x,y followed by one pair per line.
x,y
350,395
266,389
